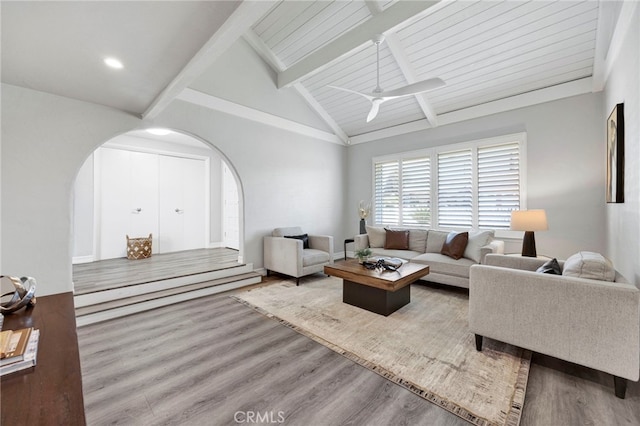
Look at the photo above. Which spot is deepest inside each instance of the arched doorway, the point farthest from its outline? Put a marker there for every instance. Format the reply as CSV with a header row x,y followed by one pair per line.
x,y
127,185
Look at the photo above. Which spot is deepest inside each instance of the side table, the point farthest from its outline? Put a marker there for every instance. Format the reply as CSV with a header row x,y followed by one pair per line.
x,y
347,241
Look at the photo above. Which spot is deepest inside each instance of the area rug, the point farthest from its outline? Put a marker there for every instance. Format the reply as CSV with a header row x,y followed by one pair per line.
x,y
425,346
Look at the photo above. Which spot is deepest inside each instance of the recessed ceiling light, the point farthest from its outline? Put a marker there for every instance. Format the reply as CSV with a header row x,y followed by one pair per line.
x,y
113,63
159,131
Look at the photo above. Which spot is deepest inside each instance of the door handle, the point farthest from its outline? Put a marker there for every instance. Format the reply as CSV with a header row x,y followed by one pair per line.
x,y
137,211
179,211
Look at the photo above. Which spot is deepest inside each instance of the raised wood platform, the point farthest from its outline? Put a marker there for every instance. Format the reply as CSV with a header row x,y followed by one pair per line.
x,y
117,287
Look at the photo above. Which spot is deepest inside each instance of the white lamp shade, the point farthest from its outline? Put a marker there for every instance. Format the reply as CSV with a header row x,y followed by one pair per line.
x,y
529,220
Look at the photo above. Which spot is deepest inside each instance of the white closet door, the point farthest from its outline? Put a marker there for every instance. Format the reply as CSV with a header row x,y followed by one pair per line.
x,y
128,202
182,204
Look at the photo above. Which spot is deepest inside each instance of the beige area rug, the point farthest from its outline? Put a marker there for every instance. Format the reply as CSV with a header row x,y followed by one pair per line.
x,y
425,346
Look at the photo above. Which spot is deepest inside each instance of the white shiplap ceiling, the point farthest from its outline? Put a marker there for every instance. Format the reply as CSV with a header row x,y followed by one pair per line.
x,y
493,55
484,50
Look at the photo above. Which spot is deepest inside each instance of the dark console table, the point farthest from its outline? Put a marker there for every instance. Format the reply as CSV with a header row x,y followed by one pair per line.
x,y
50,392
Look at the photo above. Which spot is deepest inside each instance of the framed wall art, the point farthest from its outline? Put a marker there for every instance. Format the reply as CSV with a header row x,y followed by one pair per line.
x,y
615,155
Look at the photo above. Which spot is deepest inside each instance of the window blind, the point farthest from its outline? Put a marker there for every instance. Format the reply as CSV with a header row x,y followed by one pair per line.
x,y
416,192
498,184
455,189
387,192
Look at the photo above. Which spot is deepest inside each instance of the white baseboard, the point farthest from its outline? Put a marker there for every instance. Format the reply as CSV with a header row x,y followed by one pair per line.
x,y
82,259
216,244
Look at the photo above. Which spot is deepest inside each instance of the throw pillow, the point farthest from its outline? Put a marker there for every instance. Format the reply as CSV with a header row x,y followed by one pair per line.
x,y
376,236
303,237
397,240
550,267
417,240
586,264
477,240
455,244
435,241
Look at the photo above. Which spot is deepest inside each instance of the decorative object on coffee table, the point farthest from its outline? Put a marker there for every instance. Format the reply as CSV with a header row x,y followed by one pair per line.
x,y
529,221
363,254
615,155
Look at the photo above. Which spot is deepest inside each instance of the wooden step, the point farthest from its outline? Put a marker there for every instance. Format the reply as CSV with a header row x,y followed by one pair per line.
x,y
151,286
142,302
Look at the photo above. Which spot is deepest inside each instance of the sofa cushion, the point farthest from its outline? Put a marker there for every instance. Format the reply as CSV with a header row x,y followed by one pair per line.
x,y
435,241
550,267
455,244
586,264
303,237
442,264
396,239
477,240
281,232
402,254
313,257
376,236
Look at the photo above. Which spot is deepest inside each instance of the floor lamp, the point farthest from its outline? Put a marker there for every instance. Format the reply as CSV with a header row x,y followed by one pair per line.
x,y
529,221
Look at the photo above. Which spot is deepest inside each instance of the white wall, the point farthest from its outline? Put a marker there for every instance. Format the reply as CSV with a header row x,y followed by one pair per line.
x,y
287,179
45,140
565,171
622,220
83,213
241,76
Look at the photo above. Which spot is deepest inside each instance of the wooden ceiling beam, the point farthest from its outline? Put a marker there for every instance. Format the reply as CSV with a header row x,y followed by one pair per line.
x,y
242,19
409,72
399,14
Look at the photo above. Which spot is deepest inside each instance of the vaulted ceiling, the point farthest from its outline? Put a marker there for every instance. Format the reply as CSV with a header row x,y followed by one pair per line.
x,y
491,54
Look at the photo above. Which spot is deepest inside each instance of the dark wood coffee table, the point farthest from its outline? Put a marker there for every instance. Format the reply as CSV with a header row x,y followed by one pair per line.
x,y
379,291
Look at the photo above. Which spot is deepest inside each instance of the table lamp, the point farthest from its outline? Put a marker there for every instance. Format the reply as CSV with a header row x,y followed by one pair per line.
x,y
529,221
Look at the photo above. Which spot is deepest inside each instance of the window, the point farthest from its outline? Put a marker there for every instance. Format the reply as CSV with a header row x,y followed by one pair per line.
x,y
498,184
455,189
402,192
472,185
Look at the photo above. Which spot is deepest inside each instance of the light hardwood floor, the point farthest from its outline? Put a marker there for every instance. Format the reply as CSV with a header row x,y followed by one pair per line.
x,y
122,272
214,361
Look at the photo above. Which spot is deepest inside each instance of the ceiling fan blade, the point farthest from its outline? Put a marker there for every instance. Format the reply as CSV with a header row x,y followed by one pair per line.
x,y
375,107
412,89
366,95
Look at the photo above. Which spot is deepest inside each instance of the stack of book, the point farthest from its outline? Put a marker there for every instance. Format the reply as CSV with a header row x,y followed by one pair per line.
x,y
18,349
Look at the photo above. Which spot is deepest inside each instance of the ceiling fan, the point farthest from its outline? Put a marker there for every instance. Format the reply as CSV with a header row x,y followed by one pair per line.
x,y
378,96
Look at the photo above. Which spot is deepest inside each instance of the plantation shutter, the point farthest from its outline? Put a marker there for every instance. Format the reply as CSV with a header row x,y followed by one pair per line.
x,y
416,192
498,185
387,192
455,189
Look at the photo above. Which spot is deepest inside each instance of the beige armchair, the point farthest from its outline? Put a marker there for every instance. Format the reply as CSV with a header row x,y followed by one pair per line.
x,y
287,255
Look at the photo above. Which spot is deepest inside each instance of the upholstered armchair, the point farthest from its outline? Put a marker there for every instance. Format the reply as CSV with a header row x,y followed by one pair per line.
x,y
291,252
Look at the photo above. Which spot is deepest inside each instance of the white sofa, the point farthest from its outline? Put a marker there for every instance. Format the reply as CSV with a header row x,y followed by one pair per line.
x,y
289,256
425,248
585,321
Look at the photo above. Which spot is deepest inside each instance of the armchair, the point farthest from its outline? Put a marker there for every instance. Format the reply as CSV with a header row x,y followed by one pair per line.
x,y
289,256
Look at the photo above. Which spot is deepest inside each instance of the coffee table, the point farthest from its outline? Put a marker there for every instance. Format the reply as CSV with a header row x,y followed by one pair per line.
x,y
379,291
